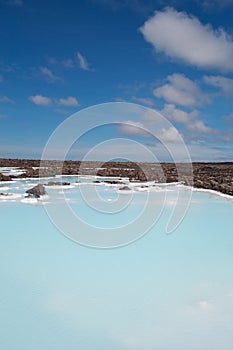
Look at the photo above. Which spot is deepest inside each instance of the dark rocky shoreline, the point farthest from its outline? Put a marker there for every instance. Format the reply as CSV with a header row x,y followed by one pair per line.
x,y
213,176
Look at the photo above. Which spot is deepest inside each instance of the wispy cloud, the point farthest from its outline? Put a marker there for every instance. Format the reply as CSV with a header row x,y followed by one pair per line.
x,y
223,83
68,63
216,5
226,136
183,37
134,88
51,60
69,102
7,68
6,99
144,101
40,100
228,119
76,61
50,75
83,63
62,111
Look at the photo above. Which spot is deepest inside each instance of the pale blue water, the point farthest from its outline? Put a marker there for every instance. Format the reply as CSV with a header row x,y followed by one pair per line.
x,y
162,292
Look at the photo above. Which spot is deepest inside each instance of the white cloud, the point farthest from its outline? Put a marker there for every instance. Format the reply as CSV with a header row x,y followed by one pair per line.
x,y
6,99
144,101
180,90
40,100
69,101
170,134
45,101
49,75
223,83
155,119
131,128
198,152
193,125
183,37
162,124
177,115
83,63
200,127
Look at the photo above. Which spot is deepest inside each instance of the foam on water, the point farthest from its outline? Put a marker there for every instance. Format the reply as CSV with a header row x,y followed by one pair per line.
x,y
4,188
58,187
10,196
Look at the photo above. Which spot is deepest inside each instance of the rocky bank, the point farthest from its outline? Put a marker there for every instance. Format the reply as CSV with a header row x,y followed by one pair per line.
x,y
214,176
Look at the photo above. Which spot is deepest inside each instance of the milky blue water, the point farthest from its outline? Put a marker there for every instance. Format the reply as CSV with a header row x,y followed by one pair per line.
x,y
161,292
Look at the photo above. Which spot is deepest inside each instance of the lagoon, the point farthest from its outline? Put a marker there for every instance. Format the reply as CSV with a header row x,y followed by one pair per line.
x,y
160,292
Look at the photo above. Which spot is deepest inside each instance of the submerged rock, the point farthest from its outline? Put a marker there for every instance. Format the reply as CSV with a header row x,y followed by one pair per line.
x,y
57,183
36,191
125,188
113,182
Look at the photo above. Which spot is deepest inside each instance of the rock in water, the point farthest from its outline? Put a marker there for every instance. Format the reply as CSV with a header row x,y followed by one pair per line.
x,y
125,188
57,183
4,177
37,191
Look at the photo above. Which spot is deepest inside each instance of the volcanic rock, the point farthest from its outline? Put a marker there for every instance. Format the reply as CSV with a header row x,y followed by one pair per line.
x,y
125,188
114,182
57,183
215,176
36,191
4,177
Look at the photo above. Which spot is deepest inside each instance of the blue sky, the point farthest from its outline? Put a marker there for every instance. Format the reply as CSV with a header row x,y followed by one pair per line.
x,y
173,56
